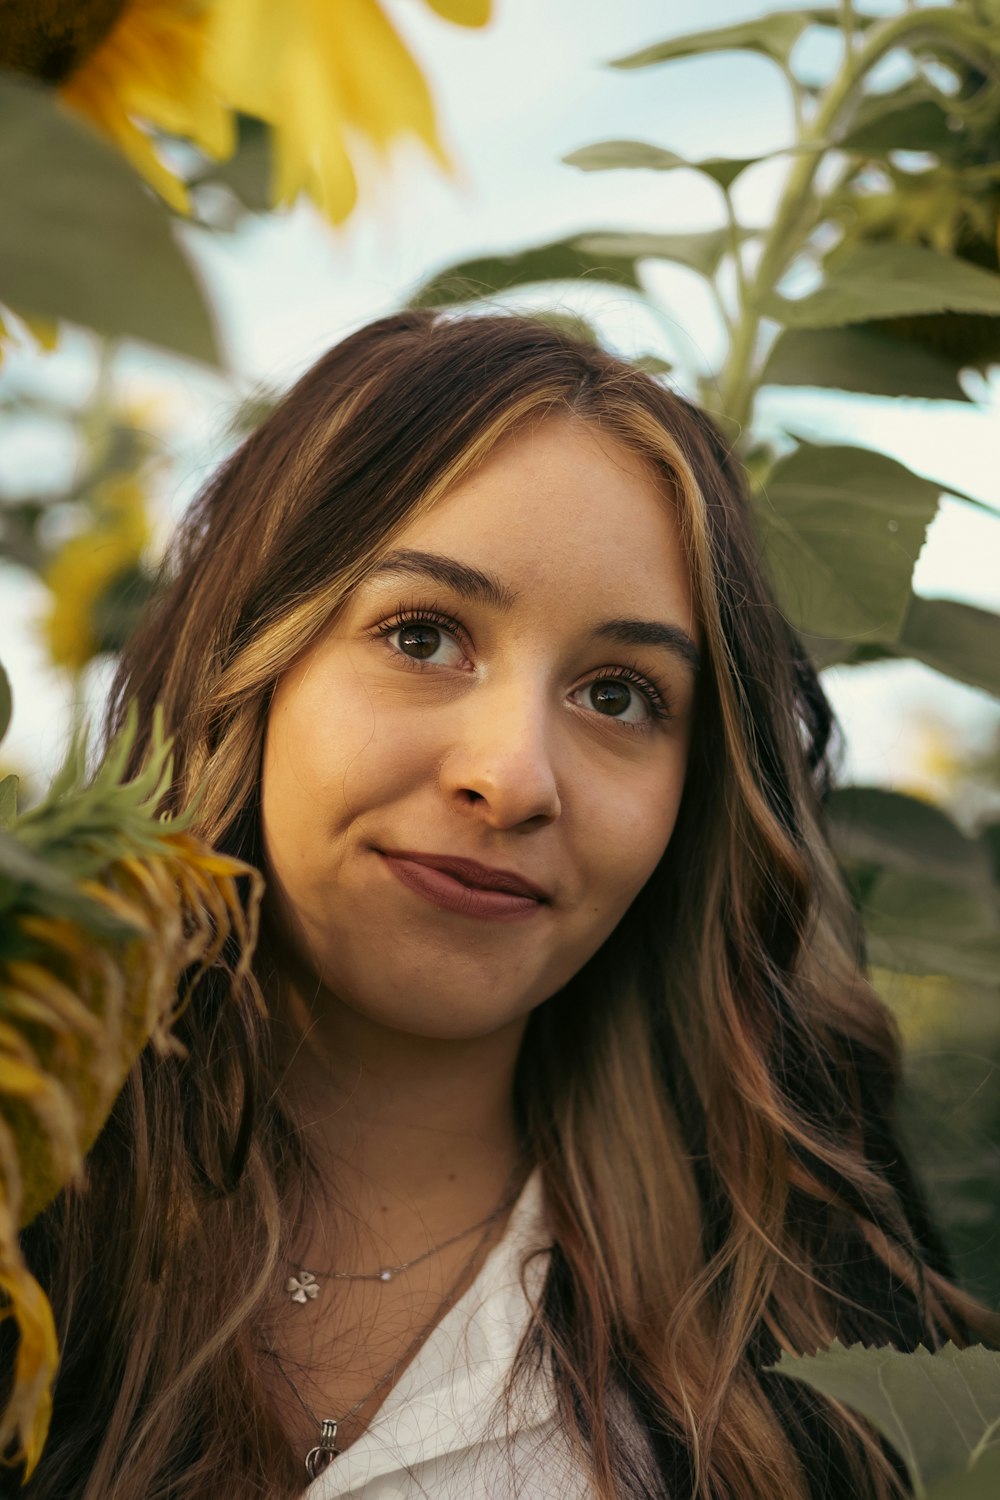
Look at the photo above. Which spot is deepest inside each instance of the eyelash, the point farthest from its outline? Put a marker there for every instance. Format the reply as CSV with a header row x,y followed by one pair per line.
x,y
656,700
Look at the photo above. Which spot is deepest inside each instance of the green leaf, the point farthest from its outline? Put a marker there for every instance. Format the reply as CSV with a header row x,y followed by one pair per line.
x,y
908,119
925,926
843,528
832,15
937,1410
701,252
652,364
774,36
82,238
957,639
607,156
982,1482
6,701
859,358
882,280
870,825
8,801
559,260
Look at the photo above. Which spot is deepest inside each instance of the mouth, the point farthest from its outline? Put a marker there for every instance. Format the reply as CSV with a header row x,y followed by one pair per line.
x,y
465,885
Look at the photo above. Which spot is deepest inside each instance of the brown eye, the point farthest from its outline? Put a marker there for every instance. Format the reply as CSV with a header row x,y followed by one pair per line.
x,y
420,641
610,698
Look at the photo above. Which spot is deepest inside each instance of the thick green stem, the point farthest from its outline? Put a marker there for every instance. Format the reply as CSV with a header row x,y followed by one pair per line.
x,y
738,378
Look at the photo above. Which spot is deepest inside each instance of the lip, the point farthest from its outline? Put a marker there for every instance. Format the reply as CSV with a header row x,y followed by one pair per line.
x,y
464,885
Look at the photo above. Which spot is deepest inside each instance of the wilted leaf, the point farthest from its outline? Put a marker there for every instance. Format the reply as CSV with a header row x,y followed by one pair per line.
x,y
82,238
882,280
957,639
702,252
774,36
843,528
607,156
870,825
858,358
560,260
940,1411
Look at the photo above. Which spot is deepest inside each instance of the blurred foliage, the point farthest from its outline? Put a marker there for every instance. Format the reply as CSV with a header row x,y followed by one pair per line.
x,y
105,909
87,541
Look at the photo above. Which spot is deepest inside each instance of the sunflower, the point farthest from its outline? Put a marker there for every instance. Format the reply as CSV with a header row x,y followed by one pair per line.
x,y
323,75
103,908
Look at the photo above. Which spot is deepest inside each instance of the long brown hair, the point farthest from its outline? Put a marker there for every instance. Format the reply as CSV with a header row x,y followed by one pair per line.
x,y
709,1099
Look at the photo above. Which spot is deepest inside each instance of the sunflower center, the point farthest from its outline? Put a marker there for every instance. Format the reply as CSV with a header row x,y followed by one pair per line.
x,y
49,39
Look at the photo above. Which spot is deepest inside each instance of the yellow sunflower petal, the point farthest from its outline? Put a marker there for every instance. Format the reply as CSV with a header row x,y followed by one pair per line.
x,y
310,153
319,73
89,95
153,66
24,1423
462,12
384,92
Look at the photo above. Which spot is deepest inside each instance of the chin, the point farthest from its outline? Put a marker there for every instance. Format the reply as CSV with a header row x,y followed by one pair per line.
x,y
431,1020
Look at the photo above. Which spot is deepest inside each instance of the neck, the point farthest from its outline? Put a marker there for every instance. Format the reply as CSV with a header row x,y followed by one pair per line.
x,y
408,1127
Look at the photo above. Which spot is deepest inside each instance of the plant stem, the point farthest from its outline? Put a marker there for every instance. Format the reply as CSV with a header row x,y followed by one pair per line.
x,y
738,379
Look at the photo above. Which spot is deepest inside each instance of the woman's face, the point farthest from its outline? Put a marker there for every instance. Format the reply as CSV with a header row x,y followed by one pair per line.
x,y
476,769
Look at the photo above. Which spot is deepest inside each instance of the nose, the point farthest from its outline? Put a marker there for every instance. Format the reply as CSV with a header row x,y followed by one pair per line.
x,y
500,767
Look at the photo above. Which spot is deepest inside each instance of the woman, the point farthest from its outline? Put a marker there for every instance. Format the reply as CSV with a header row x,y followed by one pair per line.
x,y
571,1105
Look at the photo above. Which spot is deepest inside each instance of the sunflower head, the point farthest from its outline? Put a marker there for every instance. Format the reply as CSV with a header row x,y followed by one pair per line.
x,y
104,910
49,39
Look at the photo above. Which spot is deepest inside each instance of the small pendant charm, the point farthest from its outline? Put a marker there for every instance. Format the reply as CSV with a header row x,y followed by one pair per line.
x,y
302,1288
385,1275
322,1456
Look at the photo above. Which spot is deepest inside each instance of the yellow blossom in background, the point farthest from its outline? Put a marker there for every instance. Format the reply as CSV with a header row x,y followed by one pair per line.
x,y
324,74
936,759
42,331
81,571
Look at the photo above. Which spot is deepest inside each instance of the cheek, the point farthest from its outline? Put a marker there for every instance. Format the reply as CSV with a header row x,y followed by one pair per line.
x,y
635,829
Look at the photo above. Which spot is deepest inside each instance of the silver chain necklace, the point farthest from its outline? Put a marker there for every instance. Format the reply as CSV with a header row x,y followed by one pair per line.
x,y
305,1286
322,1454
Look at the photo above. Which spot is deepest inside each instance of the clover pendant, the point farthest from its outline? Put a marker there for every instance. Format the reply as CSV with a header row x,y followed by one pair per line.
x,y
302,1288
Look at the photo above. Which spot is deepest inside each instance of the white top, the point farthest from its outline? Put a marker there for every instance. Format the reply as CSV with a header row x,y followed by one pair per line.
x,y
442,1432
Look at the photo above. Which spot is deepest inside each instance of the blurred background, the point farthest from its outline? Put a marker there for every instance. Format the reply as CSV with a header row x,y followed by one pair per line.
x,y
109,423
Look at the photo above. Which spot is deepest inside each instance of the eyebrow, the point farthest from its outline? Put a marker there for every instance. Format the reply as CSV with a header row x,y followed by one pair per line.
x,y
487,588
471,583
652,633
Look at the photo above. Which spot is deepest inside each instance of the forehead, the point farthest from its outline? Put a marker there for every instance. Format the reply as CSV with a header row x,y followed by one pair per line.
x,y
562,504
565,515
